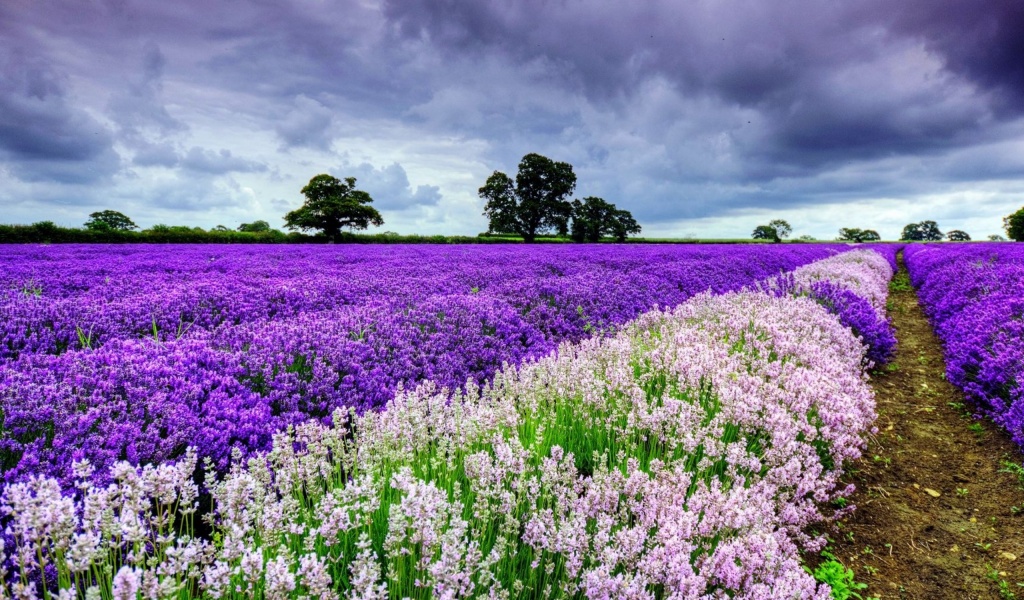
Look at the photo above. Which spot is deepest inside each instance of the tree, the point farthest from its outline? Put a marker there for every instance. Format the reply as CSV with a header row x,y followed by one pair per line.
x,y
925,231
1014,226
220,228
781,227
807,238
775,230
255,227
535,203
623,224
590,219
105,220
332,204
593,218
853,234
958,236
764,232
995,237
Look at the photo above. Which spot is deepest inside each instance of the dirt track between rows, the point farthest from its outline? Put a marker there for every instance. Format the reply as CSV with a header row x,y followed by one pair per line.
x,y
935,514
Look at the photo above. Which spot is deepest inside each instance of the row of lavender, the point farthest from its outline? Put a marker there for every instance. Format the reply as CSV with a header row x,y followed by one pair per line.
x,y
686,456
974,295
134,353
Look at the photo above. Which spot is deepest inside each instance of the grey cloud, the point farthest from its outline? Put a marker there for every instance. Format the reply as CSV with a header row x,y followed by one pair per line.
x,y
390,188
779,60
43,134
983,41
198,195
307,125
138,109
156,155
216,163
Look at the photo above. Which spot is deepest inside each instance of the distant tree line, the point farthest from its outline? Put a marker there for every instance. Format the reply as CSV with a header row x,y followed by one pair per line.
x,y
924,231
533,207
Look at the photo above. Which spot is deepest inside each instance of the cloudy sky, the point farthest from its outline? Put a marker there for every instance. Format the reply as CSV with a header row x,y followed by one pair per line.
x,y
702,117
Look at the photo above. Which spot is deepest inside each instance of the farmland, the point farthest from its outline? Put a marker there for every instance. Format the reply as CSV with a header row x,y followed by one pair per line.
x,y
436,422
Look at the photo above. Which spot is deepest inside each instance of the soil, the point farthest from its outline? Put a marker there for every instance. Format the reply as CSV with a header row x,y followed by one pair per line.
x,y
937,515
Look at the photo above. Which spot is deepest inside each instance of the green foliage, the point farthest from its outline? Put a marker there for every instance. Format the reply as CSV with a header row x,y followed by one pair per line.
x,y
1014,225
900,282
109,220
958,236
925,231
781,227
854,234
332,204
764,232
255,226
841,579
535,203
775,230
594,218
996,238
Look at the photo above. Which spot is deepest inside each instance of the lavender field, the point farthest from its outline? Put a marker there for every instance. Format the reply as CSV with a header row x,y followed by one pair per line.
x,y
431,422
974,295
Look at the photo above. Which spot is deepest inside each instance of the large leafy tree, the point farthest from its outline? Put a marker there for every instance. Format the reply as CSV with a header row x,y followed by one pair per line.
x,y
534,203
332,204
106,220
1014,226
854,234
925,231
593,218
958,236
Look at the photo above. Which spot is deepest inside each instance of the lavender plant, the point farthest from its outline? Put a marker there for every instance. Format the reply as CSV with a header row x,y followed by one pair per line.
x,y
973,295
685,456
130,353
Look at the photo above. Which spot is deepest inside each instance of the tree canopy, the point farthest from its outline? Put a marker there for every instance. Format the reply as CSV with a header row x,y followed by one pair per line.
x,y
535,203
958,236
332,204
775,230
105,220
925,231
593,218
854,234
1014,225
255,227
764,232
781,227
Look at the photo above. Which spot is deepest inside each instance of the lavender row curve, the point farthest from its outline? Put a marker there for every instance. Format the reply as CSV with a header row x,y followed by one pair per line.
x,y
249,341
690,453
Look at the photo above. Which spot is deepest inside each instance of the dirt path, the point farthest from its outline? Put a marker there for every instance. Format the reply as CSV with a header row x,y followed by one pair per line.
x,y
935,516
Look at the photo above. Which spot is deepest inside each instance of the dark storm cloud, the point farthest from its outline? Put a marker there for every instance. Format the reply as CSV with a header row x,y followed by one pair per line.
x,y
43,134
983,41
835,81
